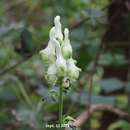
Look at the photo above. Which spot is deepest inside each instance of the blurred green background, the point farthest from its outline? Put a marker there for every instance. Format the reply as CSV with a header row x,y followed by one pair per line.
x,y
26,101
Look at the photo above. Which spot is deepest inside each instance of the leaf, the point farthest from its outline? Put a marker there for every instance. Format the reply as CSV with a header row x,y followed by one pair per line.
x,y
119,59
127,85
82,98
78,35
115,59
105,59
48,96
94,13
27,41
111,84
4,30
121,101
28,116
27,45
68,119
123,125
6,91
7,95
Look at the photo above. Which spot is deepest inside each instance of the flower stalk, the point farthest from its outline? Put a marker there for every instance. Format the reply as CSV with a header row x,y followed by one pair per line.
x,y
60,106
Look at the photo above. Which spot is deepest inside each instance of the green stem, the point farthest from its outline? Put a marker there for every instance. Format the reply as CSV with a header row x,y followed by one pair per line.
x,y
60,106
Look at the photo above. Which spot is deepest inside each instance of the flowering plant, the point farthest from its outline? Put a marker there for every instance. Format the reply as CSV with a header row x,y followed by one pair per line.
x,y
59,65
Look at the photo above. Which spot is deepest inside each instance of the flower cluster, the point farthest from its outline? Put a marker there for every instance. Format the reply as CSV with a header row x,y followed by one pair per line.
x,y
57,56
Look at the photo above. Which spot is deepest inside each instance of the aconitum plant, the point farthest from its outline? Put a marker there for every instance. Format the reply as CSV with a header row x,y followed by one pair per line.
x,y
60,67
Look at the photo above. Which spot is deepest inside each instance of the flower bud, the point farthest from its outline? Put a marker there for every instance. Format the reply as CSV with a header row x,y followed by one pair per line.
x,y
73,70
60,61
51,74
66,47
66,83
58,28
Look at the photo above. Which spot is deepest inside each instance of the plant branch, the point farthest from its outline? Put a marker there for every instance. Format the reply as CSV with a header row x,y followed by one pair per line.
x,y
6,70
14,4
91,75
78,24
85,116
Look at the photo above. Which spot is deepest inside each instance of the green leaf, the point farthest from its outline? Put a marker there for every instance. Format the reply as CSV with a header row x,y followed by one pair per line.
x,y
6,91
119,59
111,84
49,96
28,116
4,30
82,98
123,125
121,101
105,59
127,85
27,41
68,119
94,12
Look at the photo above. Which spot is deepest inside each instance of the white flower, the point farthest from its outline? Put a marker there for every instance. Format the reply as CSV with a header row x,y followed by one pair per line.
x,y
57,57
66,47
51,74
60,61
52,34
58,28
48,54
73,70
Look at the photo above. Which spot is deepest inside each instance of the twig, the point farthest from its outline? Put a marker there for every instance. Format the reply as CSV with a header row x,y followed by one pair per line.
x,y
76,25
94,70
6,70
82,21
128,79
90,89
11,6
84,116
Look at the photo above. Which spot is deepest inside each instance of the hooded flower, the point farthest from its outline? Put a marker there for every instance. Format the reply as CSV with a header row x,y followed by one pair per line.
x,y
73,70
66,47
60,61
51,74
58,28
48,54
